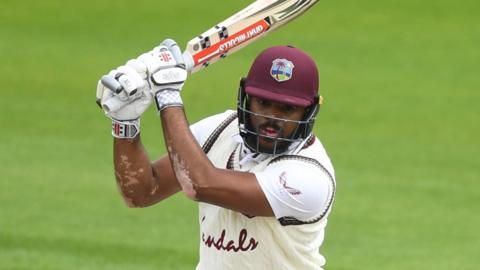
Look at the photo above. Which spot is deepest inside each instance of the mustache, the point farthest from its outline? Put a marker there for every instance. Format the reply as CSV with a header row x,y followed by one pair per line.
x,y
270,124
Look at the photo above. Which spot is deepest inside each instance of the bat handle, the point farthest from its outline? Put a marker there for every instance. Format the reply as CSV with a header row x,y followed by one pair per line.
x,y
189,63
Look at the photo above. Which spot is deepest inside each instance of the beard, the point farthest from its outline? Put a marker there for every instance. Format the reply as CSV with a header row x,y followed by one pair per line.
x,y
265,138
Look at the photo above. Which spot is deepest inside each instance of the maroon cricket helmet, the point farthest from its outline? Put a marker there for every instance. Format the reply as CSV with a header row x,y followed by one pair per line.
x,y
284,74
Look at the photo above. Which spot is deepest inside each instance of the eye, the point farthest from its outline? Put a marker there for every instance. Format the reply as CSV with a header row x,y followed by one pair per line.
x,y
289,108
262,102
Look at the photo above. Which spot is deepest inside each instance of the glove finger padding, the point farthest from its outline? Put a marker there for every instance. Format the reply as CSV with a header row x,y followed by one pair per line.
x,y
99,93
127,110
131,81
175,50
175,75
168,80
159,58
101,88
127,83
121,106
112,104
126,92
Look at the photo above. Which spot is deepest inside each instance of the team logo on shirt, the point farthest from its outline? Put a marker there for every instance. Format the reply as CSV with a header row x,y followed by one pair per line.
x,y
283,181
282,70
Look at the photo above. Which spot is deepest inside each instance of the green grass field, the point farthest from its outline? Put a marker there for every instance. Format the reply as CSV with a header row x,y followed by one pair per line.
x,y
401,124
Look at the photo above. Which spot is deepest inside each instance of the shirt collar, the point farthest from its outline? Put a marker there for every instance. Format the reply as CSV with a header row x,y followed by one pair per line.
x,y
247,155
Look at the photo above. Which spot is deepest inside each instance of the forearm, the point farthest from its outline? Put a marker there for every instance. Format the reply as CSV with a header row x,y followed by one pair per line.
x,y
124,94
191,166
200,180
134,172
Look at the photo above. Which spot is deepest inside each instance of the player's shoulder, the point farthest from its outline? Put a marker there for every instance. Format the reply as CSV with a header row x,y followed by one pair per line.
x,y
318,152
301,167
310,166
298,186
202,129
313,153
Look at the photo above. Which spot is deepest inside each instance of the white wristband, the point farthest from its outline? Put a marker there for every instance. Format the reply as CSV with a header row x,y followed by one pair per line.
x,y
125,129
168,98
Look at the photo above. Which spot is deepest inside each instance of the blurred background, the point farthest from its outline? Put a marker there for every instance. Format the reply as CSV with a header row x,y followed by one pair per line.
x,y
400,122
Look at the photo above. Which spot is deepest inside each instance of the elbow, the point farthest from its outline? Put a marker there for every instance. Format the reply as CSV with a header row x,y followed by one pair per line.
x,y
200,193
130,203
134,203
189,187
193,181
199,186
191,192
195,192
129,200
133,198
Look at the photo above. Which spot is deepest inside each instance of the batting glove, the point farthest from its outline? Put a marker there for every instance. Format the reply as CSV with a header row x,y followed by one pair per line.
x,y
124,95
166,65
126,92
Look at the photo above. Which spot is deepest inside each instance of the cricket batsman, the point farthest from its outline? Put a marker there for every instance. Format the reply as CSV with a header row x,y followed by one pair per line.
x,y
263,181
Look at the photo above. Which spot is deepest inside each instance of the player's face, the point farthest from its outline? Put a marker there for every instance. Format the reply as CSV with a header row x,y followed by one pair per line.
x,y
274,128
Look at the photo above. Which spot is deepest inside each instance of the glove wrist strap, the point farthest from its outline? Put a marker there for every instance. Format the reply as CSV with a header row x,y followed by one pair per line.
x,y
125,129
168,98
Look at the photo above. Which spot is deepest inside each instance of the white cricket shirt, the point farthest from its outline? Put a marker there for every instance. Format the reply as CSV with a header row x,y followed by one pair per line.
x,y
299,187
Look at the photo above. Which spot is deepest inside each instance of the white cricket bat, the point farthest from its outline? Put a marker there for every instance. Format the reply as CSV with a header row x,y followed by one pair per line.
x,y
244,27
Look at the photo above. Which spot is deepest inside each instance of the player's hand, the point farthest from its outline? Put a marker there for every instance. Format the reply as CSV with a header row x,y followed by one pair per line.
x,y
124,93
166,65
161,71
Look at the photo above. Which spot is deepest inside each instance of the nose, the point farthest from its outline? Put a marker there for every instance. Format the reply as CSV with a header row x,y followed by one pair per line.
x,y
274,111
272,118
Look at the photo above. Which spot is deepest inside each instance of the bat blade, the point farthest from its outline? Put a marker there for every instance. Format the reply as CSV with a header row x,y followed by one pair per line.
x,y
244,27
230,35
